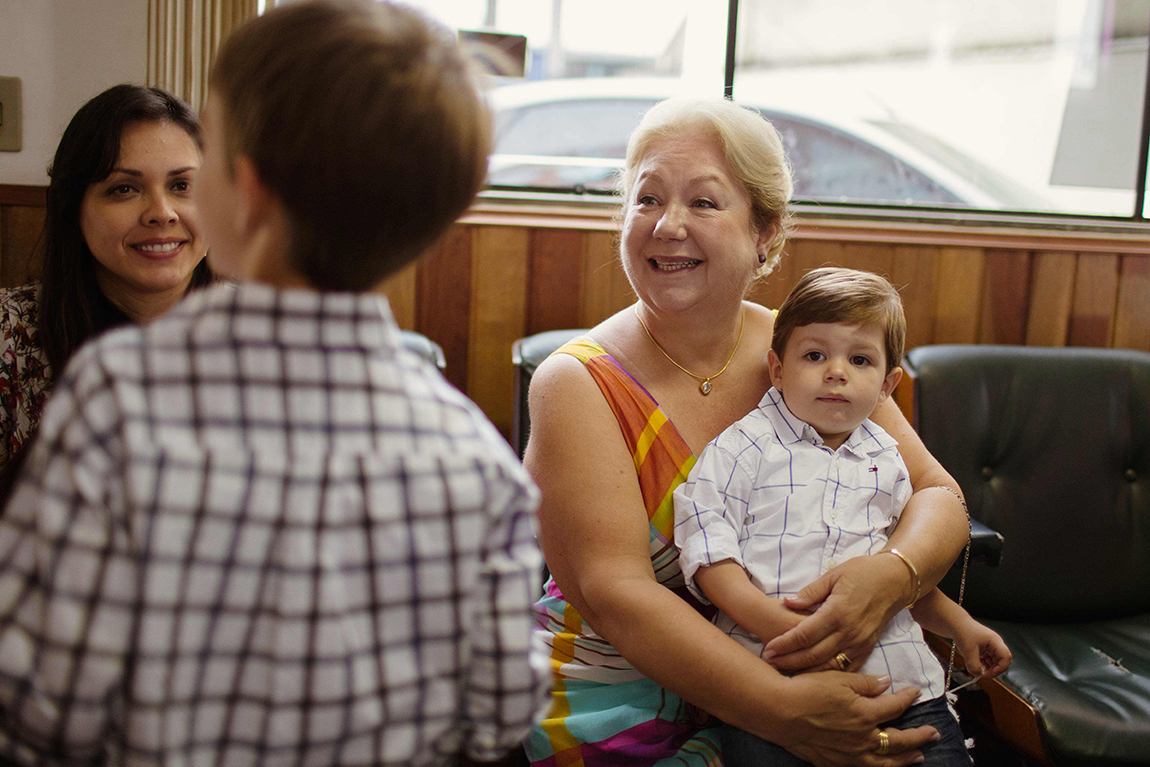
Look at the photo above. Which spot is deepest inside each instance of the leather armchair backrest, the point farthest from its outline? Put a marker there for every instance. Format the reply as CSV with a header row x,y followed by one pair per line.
x,y
1052,448
424,347
526,354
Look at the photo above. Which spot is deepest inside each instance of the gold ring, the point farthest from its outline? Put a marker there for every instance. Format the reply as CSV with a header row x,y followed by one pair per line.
x,y
883,744
843,661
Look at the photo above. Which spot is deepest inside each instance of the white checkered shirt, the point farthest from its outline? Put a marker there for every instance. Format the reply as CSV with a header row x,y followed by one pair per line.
x,y
259,532
767,494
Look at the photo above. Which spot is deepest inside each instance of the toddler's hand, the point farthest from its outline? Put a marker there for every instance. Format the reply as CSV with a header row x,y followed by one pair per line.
x,y
985,653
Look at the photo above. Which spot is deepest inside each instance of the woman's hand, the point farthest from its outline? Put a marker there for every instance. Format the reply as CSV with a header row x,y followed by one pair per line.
x,y
852,604
836,719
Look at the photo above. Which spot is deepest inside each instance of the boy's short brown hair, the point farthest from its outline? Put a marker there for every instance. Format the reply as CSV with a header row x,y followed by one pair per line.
x,y
834,294
364,120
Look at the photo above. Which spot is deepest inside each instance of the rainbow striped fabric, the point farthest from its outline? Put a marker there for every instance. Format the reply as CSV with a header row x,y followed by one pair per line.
x,y
604,712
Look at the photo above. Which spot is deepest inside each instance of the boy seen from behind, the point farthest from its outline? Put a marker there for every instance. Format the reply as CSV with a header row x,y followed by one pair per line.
x,y
806,481
258,531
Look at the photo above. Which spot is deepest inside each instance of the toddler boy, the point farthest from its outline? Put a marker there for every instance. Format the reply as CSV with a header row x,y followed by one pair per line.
x,y
258,531
806,481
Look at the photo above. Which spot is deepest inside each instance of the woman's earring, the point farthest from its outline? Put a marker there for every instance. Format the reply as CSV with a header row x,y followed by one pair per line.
x,y
762,259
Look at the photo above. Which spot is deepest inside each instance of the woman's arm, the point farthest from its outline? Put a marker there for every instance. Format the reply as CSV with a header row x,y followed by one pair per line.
x,y
857,599
595,536
933,528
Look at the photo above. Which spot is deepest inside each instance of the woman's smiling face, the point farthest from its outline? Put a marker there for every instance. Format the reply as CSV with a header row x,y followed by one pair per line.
x,y
139,222
688,236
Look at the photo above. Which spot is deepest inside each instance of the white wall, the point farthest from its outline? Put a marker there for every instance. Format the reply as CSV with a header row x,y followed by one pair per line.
x,y
65,52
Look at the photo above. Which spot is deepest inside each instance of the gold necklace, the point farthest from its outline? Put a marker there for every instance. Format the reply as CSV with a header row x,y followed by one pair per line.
x,y
705,387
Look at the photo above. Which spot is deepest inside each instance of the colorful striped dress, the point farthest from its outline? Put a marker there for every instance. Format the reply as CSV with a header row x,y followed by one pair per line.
x,y
604,712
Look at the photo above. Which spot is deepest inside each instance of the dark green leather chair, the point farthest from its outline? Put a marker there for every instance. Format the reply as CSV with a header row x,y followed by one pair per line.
x,y
526,354
1052,448
424,347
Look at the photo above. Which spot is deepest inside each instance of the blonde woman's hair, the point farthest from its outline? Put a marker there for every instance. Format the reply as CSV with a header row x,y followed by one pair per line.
x,y
752,148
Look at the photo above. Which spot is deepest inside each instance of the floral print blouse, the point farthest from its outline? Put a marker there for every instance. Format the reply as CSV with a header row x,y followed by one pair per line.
x,y
24,373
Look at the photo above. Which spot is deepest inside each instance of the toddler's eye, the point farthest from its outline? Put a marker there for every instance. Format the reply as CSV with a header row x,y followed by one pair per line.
x,y
815,356
860,360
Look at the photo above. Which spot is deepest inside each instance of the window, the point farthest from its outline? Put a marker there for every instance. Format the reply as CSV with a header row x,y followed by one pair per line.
x,y
1022,105
1027,106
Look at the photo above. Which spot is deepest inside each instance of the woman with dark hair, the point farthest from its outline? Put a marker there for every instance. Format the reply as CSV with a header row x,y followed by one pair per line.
x,y
120,244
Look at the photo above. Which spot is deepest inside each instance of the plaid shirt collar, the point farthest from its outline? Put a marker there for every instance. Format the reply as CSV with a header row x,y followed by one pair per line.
x,y
255,313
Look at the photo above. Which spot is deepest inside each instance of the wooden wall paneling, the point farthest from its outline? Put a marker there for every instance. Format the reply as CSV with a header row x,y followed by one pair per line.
x,y
958,283
1095,299
443,299
554,272
811,254
599,289
802,255
23,194
1005,297
912,274
1051,297
400,289
622,295
498,317
1132,319
877,258
20,227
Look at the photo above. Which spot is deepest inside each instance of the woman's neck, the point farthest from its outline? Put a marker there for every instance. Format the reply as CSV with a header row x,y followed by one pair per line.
x,y
143,307
700,344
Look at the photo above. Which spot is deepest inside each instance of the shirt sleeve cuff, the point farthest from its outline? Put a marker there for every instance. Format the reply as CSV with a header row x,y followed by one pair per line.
x,y
704,549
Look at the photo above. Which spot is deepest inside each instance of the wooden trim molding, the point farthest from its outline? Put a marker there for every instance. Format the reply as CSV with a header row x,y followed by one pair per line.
x,y
1013,237
24,194
597,217
1049,235
1127,238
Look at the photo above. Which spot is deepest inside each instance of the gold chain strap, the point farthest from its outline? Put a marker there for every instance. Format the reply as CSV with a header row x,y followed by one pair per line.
x,y
962,582
705,386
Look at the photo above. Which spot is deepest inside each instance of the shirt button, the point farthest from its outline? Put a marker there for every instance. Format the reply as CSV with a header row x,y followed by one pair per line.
x,y
831,563
834,514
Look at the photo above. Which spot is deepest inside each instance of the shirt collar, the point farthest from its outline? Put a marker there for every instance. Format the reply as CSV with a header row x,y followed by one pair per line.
x,y
868,439
259,313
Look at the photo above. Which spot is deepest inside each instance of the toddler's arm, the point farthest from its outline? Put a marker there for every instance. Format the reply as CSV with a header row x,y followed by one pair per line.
x,y
729,588
982,648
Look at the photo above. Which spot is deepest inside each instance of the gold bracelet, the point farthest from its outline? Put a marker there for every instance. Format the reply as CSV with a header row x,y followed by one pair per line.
x,y
913,574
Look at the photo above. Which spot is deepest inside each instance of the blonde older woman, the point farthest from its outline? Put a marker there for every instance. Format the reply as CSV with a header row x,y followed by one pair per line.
x,y
617,418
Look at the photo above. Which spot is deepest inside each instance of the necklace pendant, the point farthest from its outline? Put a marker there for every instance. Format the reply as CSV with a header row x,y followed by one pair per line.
x,y
705,387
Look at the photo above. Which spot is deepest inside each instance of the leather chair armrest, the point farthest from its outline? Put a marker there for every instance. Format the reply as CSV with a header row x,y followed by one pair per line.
x,y
985,544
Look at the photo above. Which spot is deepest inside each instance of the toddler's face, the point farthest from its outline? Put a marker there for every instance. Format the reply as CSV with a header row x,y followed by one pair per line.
x,y
832,376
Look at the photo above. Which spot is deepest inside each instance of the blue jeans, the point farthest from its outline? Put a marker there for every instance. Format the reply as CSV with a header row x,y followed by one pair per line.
x,y
742,749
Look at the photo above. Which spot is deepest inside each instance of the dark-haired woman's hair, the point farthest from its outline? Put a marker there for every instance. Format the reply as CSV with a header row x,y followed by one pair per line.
x,y
73,309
